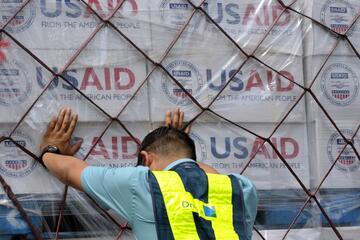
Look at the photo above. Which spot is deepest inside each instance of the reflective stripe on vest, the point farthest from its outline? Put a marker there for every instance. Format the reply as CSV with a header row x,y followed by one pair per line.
x,y
180,206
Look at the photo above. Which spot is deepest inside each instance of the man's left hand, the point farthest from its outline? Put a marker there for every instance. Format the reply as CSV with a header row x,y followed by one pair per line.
x,y
176,120
59,132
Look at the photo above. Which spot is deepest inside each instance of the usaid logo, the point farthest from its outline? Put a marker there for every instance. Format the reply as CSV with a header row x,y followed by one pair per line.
x,y
174,12
348,161
247,14
229,148
242,148
98,83
15,83
74,9
338,15
255,80
230,13
22,20
14,162
340,84
188,76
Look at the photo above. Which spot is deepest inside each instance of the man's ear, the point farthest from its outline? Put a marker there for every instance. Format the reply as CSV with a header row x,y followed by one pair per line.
x,y
147,159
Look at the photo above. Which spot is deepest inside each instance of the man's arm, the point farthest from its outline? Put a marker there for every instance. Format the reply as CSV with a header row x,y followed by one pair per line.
x,y
250,199
110,187
66,168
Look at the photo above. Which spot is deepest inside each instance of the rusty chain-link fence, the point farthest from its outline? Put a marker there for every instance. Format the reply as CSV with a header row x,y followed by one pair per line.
x,y
270,88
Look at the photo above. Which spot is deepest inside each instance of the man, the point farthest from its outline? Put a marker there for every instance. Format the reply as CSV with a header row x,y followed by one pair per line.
x,y
167,196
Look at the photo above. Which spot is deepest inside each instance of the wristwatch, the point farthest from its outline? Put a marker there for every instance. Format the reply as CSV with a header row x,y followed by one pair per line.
x,y
48,149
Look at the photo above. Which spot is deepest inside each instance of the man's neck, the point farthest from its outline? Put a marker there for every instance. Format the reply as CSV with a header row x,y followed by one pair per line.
x,y
164,162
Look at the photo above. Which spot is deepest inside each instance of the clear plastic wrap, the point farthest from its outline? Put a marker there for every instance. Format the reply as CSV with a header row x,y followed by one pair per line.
x,y
270,86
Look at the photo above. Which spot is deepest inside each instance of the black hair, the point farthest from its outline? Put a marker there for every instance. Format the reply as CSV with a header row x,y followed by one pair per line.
x,y
165,139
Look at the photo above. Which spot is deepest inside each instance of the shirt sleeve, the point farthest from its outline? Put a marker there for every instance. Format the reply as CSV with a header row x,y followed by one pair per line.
x,y
250,201
114,188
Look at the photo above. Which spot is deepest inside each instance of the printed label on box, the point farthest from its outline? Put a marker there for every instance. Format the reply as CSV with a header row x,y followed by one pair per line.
x,y
254,90
229,151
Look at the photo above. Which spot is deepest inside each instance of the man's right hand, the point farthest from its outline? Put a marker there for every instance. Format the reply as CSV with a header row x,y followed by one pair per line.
x,y
59,132
176,120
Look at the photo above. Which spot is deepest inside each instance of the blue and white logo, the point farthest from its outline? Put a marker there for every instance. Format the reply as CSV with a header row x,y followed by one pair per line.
x,y
338,15
14,162
188,76
348,161
23,20
340,84
15,83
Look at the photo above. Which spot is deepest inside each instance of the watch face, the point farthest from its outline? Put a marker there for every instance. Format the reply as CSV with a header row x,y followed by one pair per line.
x,y
52,149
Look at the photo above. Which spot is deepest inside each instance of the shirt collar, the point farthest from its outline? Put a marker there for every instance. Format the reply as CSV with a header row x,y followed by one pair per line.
x,y
177,162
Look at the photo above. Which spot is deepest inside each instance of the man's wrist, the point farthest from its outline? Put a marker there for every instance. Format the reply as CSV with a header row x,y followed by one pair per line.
x,y
48,149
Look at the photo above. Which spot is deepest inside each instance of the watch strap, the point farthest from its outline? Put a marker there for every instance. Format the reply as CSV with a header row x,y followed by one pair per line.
x,y
48,149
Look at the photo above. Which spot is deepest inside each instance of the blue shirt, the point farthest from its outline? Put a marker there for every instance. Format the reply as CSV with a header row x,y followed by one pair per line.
x,y
127,192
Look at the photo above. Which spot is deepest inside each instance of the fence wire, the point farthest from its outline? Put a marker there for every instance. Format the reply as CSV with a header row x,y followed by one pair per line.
x,y
197,9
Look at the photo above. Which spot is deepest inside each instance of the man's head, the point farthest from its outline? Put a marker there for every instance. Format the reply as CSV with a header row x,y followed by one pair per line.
x,y
163,146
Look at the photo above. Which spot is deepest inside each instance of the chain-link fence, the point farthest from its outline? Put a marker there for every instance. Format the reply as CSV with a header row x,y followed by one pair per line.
x,y
269,86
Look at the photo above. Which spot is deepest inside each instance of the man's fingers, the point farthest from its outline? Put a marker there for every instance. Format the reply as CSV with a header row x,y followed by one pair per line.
x,y
168,119
176,116
188,129
51,125
72,125
52,122
60,119
76,146
175,119
66,121
181,120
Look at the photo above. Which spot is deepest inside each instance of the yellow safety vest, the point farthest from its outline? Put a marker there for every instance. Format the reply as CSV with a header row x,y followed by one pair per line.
x,y
180,206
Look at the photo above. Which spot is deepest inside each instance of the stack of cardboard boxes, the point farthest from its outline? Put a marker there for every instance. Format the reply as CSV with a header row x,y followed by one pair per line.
x,y
334,81
288,51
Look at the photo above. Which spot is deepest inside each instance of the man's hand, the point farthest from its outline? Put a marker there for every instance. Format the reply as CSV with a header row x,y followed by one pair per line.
x,y
176,120
59,132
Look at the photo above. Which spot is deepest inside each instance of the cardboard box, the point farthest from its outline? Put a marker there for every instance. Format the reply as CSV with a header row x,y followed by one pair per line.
x,y
325,146
111,85
246,22
18,82
228,148
58,29
109,79
21,171
337,15
256,94
336,87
